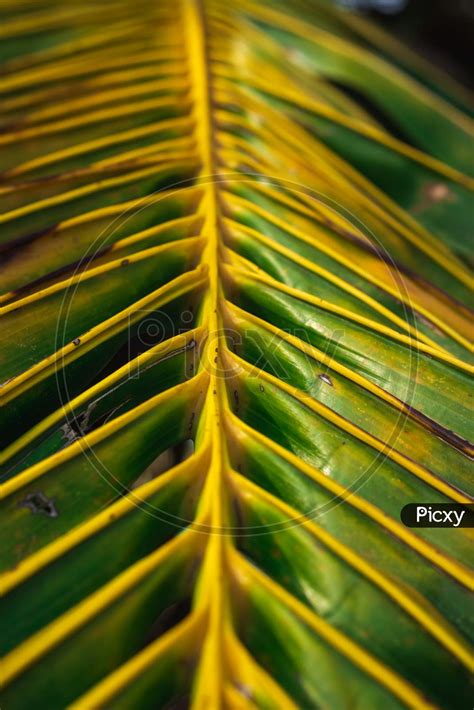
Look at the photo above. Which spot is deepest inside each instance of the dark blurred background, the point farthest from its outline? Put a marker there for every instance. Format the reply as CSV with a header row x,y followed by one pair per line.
x,y
440,30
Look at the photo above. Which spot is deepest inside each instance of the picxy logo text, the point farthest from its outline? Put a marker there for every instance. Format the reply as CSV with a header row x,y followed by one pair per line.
x,y
438,515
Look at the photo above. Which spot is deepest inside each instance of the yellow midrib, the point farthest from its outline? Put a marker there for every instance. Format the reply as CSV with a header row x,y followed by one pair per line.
x,y
209,689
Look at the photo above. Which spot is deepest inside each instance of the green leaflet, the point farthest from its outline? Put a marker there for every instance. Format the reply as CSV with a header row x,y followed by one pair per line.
x,y
105,464
350,400
148,523
396,370
374,544
109,638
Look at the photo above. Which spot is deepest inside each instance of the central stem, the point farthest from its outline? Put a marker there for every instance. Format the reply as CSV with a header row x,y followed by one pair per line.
x,y
209,689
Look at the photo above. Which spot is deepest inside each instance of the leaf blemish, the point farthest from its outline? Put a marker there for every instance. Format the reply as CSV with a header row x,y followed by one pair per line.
x,y
326,379
245,691
438,192
38,503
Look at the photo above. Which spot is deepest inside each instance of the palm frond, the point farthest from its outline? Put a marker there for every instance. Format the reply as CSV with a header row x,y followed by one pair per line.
x,y
235,315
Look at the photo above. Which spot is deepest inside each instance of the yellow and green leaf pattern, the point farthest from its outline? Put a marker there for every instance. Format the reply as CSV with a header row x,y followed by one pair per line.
x,y
235,343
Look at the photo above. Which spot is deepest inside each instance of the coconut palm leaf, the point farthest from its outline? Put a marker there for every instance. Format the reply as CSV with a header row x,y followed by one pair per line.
x,y
235,315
